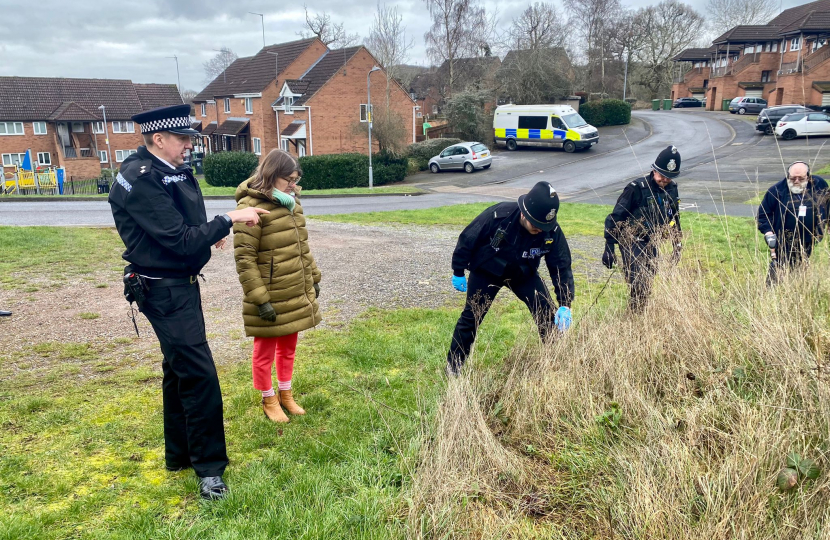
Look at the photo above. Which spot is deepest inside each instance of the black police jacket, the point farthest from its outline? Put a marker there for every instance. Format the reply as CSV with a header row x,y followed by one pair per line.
x,y
160,215
496,242
642,208
779,213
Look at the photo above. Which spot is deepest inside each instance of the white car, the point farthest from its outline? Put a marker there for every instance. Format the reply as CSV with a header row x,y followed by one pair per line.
x,y
803,124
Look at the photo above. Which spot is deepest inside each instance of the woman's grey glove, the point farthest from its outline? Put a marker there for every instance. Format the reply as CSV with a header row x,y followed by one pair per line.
x,y
267,313
317,290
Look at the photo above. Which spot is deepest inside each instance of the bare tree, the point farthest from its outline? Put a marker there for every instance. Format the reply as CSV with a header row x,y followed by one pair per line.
x,y
593,20
332,34
219,63
388,43
726,14
459,28
666,30
538,27
188,95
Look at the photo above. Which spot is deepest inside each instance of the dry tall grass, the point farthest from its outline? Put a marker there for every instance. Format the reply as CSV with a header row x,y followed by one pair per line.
x,y
669,424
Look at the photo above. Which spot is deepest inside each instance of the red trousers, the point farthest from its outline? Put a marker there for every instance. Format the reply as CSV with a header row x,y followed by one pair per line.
x,y
267,352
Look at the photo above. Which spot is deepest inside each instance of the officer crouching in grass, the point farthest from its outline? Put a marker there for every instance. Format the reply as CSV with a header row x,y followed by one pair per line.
x,y
791,217
502,247
647,212
160,215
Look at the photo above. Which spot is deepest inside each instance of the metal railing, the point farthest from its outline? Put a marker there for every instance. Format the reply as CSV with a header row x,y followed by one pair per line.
x,y
721,71
745,61
69,152
816,58
86,186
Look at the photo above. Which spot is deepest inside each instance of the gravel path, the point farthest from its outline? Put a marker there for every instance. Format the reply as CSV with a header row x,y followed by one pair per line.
x,y
385,267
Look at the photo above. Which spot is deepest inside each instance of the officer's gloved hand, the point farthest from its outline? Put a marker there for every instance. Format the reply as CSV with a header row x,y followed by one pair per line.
x,y
675,256
267,313
563,318
316,290
460,283
608,257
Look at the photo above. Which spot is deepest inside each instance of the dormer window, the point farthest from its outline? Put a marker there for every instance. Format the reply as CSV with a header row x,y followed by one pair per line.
x,y
289,101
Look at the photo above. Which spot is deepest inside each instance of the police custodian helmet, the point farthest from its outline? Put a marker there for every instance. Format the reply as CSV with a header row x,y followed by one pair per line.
x,y
540,206
668,162
175,119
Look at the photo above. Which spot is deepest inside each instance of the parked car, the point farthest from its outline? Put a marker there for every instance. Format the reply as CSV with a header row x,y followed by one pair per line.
x,y
687,102
743,105
468,156
771,115
803,124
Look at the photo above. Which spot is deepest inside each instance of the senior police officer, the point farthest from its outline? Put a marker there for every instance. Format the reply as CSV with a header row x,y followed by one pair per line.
x,y
646,213
160,215
791,217
502,247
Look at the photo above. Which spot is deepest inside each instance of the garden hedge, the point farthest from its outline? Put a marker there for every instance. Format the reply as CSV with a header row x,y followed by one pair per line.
x,y
229,169
333,171
606,112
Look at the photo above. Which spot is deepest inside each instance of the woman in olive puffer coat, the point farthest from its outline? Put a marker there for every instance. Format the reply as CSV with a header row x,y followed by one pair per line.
x,y
278,275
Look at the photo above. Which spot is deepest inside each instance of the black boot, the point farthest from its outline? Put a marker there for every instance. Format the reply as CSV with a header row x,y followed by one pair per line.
x,y
212,488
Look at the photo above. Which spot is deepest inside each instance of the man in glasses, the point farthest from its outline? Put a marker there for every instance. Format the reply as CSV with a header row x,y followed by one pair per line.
x,y
791,218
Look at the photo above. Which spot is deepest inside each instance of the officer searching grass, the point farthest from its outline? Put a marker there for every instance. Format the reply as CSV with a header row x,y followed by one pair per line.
x,y
160,215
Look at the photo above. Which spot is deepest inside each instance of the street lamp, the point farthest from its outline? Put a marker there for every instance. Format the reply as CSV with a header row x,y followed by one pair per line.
x,y
625,75
107,135
178,79
369,117
262,18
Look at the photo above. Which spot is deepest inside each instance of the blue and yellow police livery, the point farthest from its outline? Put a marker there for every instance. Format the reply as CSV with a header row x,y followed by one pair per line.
x,y
542,125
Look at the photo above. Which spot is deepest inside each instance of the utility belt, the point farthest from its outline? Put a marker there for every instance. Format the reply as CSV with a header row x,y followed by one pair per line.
x,y
136,287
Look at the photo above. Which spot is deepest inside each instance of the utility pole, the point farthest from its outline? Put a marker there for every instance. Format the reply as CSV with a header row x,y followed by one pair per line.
x,y
178,79
369,117
262,19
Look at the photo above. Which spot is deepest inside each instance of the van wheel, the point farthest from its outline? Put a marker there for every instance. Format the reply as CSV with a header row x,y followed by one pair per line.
x,y
468,168
789,135
741,111
511,144
569,147
434,168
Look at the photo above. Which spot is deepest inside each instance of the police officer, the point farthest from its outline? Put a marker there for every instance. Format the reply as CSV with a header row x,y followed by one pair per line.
x,y
790,217
160,215
502,247
646,212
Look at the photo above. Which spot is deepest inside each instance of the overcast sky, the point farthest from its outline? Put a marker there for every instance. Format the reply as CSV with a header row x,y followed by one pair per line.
x,y
132,39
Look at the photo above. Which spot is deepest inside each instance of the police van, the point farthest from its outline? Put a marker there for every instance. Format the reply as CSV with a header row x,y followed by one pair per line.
x,y
559,126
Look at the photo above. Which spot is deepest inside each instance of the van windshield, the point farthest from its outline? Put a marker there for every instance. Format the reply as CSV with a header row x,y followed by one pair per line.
x,y
574,120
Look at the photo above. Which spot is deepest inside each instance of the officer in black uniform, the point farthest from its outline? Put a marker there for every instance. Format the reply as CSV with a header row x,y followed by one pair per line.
x,y
160,215
502,247
791,217
646,213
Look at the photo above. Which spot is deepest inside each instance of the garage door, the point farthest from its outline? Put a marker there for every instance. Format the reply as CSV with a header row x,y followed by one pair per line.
x,y
701,96
825,99
755,93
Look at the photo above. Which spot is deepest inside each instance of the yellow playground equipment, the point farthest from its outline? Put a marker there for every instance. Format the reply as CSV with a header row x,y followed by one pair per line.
x,y
28,181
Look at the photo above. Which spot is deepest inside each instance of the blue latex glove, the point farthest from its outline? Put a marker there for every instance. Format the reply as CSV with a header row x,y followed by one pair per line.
x,y
460,283
563,318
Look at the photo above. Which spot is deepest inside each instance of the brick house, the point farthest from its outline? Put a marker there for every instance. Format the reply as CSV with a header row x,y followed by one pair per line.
x,y
61,121
784,61
300,96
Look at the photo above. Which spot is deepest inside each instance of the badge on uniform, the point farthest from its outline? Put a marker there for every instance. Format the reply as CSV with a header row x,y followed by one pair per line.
x,y
802,211
548,241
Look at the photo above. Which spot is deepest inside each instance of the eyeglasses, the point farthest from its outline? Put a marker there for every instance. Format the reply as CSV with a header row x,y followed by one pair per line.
x,y
798,178
294,180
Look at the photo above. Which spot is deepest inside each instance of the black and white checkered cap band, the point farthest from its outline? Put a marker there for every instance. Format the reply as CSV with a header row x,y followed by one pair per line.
x,y
165,124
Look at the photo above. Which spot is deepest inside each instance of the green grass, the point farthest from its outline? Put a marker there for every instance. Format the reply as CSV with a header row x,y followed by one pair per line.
x,y
389,190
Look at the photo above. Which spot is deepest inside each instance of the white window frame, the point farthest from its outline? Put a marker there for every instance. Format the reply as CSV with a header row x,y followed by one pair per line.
x,y
257,144
98,127
285,145
102,155
227,104
289,102
204,109
301,149
40,160
15,126
36,125
249,105
795,44
76,127
363,109
124,155
8,159
125,126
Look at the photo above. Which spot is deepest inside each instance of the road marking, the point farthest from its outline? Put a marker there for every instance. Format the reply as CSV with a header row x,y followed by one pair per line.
x,y
737,143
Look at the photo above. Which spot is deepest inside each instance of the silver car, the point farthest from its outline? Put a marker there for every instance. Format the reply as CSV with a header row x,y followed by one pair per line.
x,y
468,156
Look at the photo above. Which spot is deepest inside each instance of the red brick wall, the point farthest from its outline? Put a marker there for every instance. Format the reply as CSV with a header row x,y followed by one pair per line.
x,y
82,168
18,144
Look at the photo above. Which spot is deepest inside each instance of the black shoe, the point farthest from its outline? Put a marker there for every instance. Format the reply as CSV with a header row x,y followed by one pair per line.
x,y
5,313
175,467
212,488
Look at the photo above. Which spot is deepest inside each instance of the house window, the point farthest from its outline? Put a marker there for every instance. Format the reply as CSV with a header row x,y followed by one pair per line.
x,y
749,50
102,154
123,127
420,114
227,104
795,44
39,128
765,76
249,105
435,109
289,101
10,160
77,127
121,155
774,46
301,149
98,127
257,146
285,144
363,116
43,158
204,109
11,128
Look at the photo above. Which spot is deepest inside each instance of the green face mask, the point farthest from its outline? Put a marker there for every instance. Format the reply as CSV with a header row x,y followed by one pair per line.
x,y
285,199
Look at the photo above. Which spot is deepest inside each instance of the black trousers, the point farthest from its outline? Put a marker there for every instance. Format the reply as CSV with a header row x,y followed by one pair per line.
x,y
482,289
786,261
639,262
194,433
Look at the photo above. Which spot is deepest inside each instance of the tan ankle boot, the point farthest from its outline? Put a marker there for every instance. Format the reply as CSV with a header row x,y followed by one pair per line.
x,y
271,406
287,401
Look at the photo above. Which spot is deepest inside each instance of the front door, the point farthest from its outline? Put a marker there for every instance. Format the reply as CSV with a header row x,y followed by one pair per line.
x,y
301,148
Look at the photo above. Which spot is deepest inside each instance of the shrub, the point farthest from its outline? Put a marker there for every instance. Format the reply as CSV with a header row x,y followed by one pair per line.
x,y
422,152
334,171
229,169
606,112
